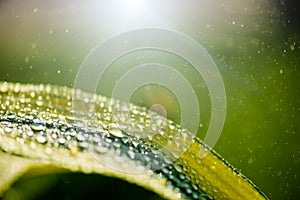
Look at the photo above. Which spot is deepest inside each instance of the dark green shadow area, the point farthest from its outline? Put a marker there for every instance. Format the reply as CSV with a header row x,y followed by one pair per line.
x,y
73,186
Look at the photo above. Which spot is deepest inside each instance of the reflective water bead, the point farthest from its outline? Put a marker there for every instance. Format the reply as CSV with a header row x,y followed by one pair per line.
x,y
41,139
116,132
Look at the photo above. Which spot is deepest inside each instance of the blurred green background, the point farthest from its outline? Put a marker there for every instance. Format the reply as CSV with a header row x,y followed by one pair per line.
x,y
255,44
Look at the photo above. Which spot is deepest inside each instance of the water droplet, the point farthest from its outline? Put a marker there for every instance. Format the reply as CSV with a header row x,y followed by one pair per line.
x,y
165,171
131,154
38,127
11,116
35,10
135,142
125,140
7,130
178,167
188,190
61,141
171,126
83,145
215,190
70,119
80,138
250,161
196,196
116,132
27,59
281,71
168,159
116,144
194,186
41,139
30,133
292,47
279,173
135,111
181,176
54,136
39,103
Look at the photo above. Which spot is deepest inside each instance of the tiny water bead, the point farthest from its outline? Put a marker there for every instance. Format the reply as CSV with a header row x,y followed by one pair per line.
x,y
120,136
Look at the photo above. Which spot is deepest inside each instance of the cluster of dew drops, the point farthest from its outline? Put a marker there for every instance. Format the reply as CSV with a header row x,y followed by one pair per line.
x,y
44,115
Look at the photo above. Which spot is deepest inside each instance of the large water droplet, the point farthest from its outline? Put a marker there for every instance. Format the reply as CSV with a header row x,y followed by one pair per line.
x,y
116,132
37,126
